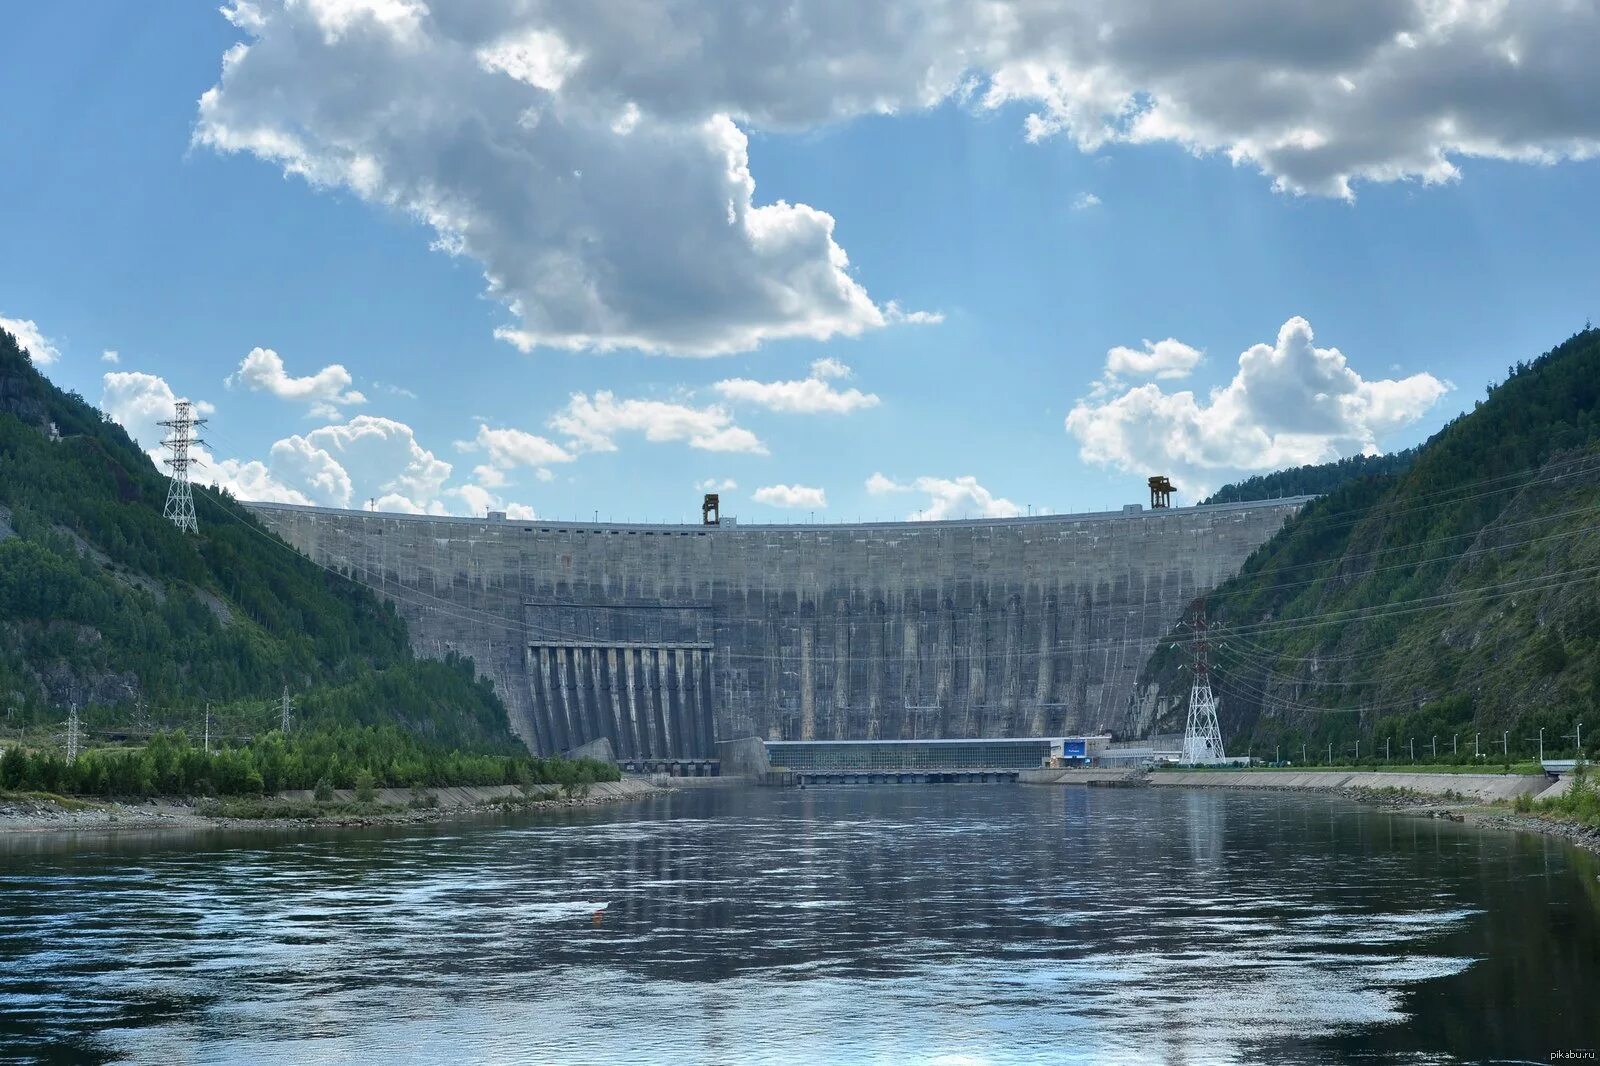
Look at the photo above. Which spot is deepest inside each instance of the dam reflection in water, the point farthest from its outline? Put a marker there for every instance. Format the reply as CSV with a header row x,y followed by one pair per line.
x,y
894,924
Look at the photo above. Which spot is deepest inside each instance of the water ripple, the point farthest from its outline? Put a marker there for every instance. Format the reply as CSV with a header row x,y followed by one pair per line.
x,y
895,925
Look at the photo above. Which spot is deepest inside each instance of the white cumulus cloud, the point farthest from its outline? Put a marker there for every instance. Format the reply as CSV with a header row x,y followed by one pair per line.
x,y
297,461
712,484
1162,359
600,220
324,392
381,456
139,402
251,480
1290,403
509,449
37,345
790,496
894,314
594,422
479,500
351,463
110,355
592,157
347,464
809,395
959,497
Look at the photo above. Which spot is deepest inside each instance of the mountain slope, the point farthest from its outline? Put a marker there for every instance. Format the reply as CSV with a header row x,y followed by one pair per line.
x,y
105,605
1460,595
1312,480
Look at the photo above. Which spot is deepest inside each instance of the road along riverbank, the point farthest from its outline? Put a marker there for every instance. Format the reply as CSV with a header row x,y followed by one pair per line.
x,y
32,813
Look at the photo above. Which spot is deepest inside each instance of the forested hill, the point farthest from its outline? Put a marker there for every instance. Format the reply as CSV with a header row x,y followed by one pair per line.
x,y
1458,595
105,605
1312,480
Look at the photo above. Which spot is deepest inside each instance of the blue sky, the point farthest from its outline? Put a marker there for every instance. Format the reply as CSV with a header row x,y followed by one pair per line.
x,y
990,272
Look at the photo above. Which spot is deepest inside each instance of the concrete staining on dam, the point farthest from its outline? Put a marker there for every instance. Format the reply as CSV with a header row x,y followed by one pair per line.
x,y
667,638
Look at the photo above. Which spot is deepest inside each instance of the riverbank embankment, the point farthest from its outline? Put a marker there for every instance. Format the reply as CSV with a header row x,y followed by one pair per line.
x,y
1486,788
388,806
1476,799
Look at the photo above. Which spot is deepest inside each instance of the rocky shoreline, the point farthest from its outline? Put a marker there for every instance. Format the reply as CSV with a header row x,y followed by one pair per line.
x,y
1448,805
1581,836
28,815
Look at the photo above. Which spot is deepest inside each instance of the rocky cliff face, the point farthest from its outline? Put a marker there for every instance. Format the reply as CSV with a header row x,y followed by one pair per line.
x,y
19,398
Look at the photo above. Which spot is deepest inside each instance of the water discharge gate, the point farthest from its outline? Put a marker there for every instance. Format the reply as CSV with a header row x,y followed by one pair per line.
x,y
651,701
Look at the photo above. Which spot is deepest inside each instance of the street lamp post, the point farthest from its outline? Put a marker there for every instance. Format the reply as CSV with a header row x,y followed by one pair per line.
x,y
1386,749
1412,744
1436,747
1475,752
1455,739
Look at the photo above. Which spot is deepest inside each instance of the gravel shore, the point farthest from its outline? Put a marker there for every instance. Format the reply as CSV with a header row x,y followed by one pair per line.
x,y
29,815
1582,836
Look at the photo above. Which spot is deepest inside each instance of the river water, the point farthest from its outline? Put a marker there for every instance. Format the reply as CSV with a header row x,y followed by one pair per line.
x,y
897,924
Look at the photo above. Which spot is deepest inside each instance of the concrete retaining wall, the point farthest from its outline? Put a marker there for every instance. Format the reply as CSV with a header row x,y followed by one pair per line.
x,y
1559,787
1074,776
667,638
1473,786
744,757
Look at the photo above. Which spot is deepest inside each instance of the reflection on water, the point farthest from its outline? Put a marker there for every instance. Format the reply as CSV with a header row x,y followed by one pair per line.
x,y
979,924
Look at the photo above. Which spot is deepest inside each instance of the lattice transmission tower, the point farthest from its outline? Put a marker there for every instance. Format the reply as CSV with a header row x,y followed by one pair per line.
x,y
180,497
1202,736
74,734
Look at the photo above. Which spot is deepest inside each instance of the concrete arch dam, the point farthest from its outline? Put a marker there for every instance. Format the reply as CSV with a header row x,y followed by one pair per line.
x,y
667,638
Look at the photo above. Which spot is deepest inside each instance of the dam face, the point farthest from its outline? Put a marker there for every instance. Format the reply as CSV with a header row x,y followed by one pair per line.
x,y
665,639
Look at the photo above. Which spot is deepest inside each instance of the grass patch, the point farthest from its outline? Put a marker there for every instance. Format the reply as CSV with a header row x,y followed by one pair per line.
x,y
64,802
257,808
1579,804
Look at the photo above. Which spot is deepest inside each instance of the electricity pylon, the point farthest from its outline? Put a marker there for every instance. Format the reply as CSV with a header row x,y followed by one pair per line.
x,y
72,734
180,498
1202,736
